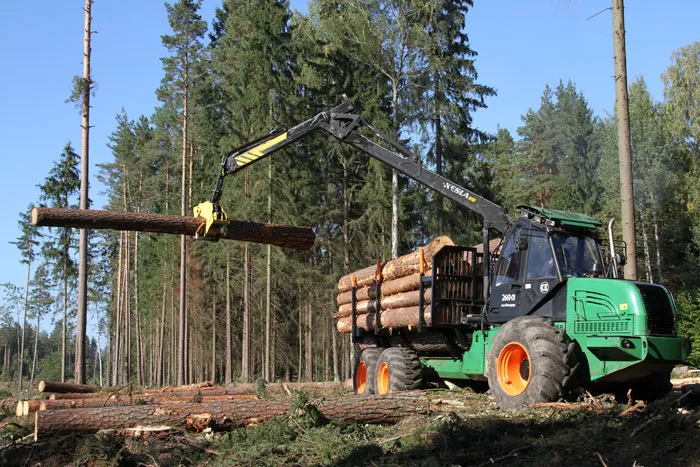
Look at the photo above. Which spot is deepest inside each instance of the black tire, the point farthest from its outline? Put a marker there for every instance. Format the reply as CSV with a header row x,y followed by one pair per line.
x,y
398,369
545,372
366,371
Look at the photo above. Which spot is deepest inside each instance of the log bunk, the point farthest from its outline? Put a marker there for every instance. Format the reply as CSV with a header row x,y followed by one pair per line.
x,y
396,290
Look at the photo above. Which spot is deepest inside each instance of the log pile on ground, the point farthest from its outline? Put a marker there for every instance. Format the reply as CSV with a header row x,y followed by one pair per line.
x,y
399,291
211,407
201,392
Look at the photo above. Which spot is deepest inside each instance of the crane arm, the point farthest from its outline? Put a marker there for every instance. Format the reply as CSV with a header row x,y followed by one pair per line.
x,y
343,123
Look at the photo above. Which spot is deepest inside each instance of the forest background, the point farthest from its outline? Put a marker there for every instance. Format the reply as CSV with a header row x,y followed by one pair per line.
x,y
411,67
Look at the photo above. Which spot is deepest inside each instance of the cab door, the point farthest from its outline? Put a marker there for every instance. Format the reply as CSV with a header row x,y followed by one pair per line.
x,y
504,302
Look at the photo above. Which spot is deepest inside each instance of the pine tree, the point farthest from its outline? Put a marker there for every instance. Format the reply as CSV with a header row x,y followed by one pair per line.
x,y
185,47
27,244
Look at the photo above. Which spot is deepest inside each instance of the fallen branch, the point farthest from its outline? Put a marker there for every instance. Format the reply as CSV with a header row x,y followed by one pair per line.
x,y
601,459
638,406
513,453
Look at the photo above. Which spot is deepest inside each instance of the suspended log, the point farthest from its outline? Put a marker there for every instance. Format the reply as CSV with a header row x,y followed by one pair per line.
x,y
396,318
224,415
299,238
401,300
392,287
398,267
55,386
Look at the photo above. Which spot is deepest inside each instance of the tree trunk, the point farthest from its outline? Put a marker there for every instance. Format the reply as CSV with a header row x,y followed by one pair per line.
x,y
115,354
81,330
300,238
36,347
309,374
268,294
395,178
246,344
229,370
622,112
24,316
213,336
65,312
181,368
224,415
647,253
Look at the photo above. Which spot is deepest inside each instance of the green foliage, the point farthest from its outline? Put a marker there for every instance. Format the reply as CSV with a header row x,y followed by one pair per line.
x,y
689,323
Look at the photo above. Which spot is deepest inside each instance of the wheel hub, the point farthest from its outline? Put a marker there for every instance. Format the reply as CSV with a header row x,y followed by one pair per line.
x,y
361,378
513,369
383,378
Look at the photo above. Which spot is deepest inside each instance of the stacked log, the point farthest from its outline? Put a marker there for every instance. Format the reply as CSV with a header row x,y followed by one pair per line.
x,y
398,303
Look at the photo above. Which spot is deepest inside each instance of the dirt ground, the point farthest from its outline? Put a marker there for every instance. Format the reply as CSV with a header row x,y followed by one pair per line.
x,y
465,429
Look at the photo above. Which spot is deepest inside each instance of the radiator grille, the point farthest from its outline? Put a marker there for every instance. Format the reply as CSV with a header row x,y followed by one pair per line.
x,y
602,327
660,318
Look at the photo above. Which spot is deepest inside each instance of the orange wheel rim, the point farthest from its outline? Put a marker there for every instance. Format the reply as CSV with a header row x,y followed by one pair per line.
x,y
383,378
361,377
513,369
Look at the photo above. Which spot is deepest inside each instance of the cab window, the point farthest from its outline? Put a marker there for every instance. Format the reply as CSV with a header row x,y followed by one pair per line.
x,y
540,259
509,262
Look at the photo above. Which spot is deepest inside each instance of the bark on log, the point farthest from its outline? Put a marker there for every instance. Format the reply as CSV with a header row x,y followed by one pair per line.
x,y
223,415
392,287
189,387
396,318
319,386
240,389
55,386
397,267
124,393
29,407
299,238
401,300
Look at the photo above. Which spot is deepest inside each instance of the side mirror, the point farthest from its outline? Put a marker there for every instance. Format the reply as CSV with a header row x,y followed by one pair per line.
x,y
620,259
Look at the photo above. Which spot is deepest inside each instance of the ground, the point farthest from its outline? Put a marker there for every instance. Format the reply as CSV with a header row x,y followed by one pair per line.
x,y
465,429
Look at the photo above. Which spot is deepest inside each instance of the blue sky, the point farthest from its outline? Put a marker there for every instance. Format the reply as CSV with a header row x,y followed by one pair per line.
x,y
522,46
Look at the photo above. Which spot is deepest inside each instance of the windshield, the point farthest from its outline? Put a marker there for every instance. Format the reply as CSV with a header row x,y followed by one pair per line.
x,y
577,256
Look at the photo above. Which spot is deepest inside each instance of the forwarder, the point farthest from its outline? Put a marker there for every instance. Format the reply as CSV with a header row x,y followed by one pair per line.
x,y
551,318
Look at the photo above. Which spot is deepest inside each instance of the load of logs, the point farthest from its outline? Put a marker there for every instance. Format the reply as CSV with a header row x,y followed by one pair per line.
x,y
201,406
399,291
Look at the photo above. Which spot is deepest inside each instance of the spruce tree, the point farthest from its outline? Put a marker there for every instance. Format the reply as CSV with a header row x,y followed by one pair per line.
x,y
58,191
